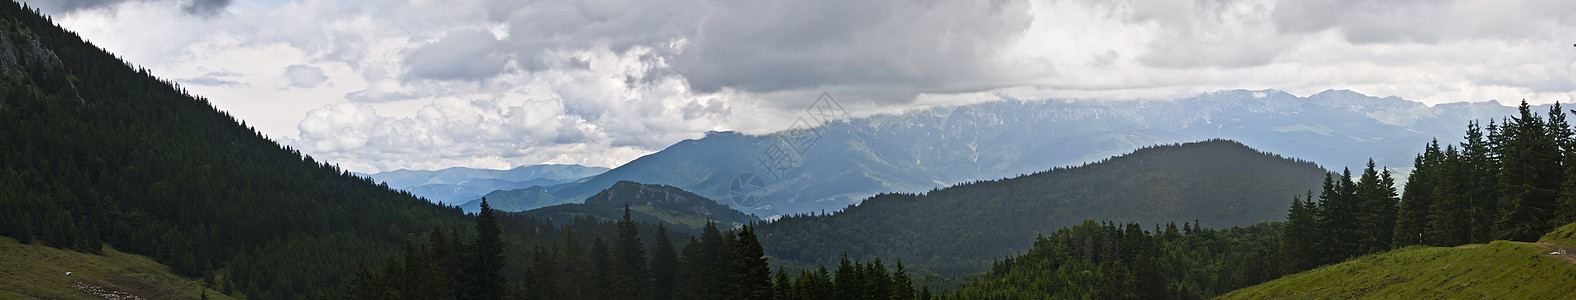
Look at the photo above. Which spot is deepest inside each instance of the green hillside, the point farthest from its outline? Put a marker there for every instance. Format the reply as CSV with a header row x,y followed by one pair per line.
x,y
35,271
649,203
961,229
1499,269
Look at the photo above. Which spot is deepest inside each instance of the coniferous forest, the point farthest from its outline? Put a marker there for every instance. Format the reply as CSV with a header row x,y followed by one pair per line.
x,y
96,152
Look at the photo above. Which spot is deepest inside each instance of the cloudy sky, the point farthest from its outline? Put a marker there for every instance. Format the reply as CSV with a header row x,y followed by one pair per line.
x,y
377,85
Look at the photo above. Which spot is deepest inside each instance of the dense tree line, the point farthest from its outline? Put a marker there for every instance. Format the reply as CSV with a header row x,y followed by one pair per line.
x,y
1350,218
1512,182
1109,261
718,264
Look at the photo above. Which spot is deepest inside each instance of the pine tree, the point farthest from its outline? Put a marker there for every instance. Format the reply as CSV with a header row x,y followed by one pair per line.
x,y
629,274
1417,199
902,285
848,283
1448,209
664,265
601,270
1530,177
751,275
1299,240
1482,184
574,278
782,286
1372,198
487,252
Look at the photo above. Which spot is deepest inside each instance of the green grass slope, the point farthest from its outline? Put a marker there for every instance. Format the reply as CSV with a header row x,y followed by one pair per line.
x,y
1497,270
35,271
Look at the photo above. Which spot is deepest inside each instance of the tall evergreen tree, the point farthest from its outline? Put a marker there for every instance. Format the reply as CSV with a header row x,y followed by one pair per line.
x,y
664,265
629,275
1375,211
487,252
1299,241
1448,208
601,270
903,286
1417,199
1482,184
1530,177
751,275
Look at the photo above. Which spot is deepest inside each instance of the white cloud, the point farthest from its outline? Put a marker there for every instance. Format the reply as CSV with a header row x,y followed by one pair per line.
x,y
425,83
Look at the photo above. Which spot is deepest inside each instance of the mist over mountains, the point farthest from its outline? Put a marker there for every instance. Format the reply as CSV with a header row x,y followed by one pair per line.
x,y
457,185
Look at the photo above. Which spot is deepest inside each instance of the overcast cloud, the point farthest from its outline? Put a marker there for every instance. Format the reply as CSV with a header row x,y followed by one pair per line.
x,y
385,84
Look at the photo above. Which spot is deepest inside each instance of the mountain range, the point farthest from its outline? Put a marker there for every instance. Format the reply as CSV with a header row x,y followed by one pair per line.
x,y
458,185
826,168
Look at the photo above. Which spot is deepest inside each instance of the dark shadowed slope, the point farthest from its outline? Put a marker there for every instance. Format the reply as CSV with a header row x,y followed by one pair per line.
x,y
961,229
650,203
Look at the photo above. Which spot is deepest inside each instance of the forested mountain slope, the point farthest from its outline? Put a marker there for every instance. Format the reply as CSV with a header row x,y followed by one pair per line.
x,y
681,210
96,151
961,229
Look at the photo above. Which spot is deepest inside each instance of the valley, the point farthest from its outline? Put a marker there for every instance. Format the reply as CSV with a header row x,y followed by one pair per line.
x,y
119,182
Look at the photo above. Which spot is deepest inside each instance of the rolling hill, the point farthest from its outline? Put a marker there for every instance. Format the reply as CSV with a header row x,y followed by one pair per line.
x,y
1500,269
961,229
681,210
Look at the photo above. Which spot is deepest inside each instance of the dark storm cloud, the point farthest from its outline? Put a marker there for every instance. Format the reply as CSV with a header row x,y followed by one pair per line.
x,y
205,7
464,54
761,46
786,45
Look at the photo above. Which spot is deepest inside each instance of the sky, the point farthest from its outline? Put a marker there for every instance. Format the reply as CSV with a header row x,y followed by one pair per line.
x,y
378,85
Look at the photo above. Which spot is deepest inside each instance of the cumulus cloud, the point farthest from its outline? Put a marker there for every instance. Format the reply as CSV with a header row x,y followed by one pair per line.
x,y
304,76
607,113
417,84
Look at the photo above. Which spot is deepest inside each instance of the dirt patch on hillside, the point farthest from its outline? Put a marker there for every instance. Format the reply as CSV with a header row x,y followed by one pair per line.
x,y
1565,252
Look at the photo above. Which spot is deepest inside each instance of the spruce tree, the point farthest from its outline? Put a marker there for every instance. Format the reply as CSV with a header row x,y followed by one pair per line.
x,y
601,270
664,265
487,254
902,285
1371,197
1417,199
629,275
1530,177
1299,240
1448,209
1481,197
751,276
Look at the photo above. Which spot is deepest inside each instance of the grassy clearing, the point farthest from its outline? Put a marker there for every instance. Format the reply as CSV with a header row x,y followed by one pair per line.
x,y
1497,270
1565,235
36,271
